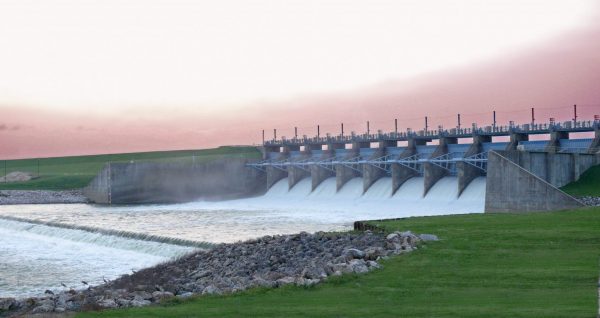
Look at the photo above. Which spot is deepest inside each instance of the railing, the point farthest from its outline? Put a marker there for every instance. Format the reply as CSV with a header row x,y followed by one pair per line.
x,y
505,130
415,162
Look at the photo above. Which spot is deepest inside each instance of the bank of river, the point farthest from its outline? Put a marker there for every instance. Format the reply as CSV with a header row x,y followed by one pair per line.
x,y
271,261
41,197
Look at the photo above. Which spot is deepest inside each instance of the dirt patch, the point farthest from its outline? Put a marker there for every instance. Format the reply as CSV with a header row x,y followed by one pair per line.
x,y
17,176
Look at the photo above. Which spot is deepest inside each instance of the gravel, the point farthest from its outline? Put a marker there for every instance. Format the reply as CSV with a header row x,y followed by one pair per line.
x,y
41,196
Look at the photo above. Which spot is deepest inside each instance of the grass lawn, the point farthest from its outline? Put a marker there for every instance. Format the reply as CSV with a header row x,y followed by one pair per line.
x,y
486,265
588,183
63,173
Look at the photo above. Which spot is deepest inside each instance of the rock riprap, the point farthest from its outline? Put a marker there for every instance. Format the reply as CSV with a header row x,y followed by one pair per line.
x,y
271,261
590,200
41,196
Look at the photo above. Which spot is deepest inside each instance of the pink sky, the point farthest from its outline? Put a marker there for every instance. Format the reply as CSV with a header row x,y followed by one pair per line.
x,y
550,75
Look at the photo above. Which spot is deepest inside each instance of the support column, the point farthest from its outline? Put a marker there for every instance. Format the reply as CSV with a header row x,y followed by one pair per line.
x,y
401,173
595,146
319,174
514,140
466,172
276,174
342,173
554,143
371,173
433,173
295,174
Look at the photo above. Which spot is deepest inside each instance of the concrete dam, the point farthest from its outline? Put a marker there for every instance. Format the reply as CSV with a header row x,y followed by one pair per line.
x,y
459,170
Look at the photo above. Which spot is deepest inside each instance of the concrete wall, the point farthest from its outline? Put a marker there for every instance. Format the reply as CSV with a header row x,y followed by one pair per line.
x,y
558,169
371,173
319,174
465,172
343,174
401,173
98,189
510,187
128,183
433,173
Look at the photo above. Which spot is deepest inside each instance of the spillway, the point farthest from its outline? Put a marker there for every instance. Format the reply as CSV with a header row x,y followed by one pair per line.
x,y
381,189
408,200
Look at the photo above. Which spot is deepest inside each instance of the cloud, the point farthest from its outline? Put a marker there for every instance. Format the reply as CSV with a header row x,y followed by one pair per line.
x,y
3,127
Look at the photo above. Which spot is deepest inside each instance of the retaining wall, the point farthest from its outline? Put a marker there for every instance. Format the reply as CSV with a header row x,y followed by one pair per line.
x,y
144,182
558,169
510,188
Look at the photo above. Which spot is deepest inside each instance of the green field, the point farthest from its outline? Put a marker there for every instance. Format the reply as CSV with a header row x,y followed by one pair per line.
x,y
486,265
588,183
63,173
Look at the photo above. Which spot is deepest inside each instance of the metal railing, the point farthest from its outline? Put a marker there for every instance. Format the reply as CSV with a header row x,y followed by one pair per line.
x,y
503,130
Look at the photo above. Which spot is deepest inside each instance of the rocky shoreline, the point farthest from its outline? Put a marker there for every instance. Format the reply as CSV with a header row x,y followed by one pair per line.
x,y
271,261
589,200
41,197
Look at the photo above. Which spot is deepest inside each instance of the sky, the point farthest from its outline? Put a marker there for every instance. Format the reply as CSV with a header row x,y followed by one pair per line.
x,y
87,77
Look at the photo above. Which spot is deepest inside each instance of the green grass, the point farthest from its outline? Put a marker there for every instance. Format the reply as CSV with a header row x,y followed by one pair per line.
x,y
63,173
588,183
486,265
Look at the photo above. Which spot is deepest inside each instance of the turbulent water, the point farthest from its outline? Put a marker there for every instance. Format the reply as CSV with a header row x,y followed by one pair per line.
x,y
36,257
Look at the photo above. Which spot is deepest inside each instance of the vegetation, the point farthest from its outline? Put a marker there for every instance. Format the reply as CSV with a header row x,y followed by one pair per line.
x,y
62,173
588,183
486,265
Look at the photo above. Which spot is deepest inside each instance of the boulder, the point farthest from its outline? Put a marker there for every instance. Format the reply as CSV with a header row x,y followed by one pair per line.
x,y
108,303
140,303
428,237
211,289
373,252
285,281
160,295
8,304
358,266
353,253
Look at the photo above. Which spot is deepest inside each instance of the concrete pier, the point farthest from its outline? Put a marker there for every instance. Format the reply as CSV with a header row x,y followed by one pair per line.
x,y
402,173
433,173
274,173
297,173
373,173
515,138
318,173
554,143
466,172
343,173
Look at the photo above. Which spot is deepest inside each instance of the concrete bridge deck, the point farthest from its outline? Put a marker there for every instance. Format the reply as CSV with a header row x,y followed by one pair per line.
x,y
429,135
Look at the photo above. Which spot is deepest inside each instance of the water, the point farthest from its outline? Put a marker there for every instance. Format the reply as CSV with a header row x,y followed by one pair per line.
x,y
37,257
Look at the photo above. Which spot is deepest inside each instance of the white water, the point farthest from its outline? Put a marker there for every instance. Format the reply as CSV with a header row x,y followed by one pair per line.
x,y
38,257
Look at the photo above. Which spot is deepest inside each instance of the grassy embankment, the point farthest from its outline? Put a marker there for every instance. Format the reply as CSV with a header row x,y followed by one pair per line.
x,y
62,173
588,183
486,265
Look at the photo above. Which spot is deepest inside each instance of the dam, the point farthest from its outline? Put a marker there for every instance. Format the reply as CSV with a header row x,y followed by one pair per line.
x,y
491,168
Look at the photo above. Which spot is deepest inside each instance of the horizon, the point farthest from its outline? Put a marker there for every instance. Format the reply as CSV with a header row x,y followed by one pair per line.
x,y
524,54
